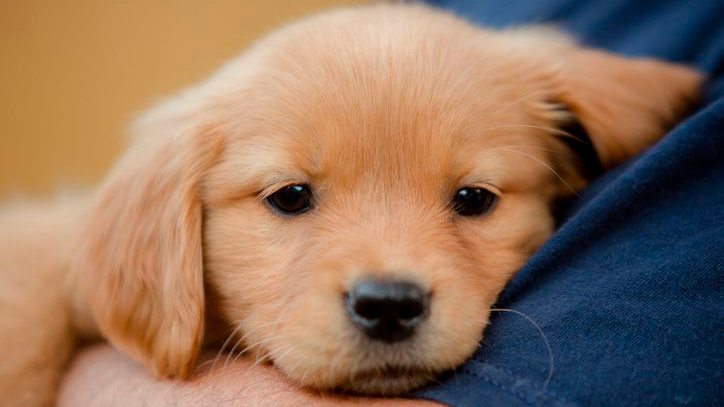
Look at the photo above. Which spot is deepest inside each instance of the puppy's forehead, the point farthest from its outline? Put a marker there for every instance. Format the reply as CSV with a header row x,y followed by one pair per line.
x,y
396,102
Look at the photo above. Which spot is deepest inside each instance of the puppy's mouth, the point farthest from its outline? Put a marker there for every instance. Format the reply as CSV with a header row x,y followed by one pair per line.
x,y
388,380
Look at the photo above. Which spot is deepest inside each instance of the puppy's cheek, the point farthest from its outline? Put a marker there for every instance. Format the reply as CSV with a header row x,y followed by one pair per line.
x,y
501,244
458,314
316,345
248,269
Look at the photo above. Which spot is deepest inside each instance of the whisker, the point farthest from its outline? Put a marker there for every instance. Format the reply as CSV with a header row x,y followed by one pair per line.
x,y
226,343
515,102
257,343
531,126
543,164
533,148
282,354
278,322
551,362
240,340
259,358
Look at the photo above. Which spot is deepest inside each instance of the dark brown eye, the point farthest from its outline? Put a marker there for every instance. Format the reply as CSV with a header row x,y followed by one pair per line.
x,y
472,201
292,199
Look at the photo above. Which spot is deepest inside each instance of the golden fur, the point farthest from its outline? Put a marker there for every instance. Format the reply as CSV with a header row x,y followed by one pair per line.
x,y
385,111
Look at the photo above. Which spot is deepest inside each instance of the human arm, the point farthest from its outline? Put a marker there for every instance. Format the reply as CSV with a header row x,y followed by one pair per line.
x,y
102,376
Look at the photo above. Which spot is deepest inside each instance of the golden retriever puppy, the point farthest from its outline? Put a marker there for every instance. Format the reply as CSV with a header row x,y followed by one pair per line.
x,y
345,200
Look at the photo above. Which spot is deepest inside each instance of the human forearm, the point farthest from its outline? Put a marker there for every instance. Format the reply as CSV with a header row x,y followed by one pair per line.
x,y
102,376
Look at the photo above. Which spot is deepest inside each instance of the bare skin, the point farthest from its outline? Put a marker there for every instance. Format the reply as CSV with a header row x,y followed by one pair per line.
x,y
102,376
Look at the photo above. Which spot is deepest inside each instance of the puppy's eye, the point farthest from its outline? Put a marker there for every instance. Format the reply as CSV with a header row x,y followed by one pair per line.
x,y
292,199
472,201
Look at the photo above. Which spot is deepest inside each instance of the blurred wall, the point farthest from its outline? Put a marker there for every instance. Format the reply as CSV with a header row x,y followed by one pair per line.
x,y
74,72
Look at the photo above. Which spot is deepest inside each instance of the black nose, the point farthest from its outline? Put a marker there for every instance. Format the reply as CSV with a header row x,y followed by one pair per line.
x,y
387,310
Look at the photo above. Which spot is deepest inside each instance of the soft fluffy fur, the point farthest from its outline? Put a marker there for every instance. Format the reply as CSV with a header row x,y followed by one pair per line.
x,y
385,111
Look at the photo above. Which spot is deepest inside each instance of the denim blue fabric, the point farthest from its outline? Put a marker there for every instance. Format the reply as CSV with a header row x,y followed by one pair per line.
x,y
629,292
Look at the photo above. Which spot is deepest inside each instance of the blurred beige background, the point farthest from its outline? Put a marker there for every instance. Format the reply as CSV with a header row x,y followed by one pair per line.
x,y
74,72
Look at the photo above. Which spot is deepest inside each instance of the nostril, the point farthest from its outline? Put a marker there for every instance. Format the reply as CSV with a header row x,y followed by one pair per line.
x,y
368,308
411,309
387,310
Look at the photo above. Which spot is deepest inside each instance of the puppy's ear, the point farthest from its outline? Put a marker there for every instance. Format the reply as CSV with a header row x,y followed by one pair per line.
x,y
141,251
623,104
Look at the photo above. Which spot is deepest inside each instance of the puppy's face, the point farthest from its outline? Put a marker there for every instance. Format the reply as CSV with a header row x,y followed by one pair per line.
x,y
360,187
407,189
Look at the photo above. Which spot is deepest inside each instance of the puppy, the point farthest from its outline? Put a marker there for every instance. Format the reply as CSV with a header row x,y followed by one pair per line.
x,y
347,198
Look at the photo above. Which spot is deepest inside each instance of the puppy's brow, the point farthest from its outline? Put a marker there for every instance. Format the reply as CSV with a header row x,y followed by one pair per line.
x,y
247,174
275,180
481,181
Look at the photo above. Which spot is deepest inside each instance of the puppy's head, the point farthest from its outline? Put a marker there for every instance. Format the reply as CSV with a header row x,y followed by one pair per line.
x,y
357,189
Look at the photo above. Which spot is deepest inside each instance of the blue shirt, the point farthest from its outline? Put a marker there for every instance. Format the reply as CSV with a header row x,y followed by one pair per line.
x,y
628,293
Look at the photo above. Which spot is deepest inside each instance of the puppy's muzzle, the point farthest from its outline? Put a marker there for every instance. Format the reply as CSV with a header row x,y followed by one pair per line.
x,y
386,310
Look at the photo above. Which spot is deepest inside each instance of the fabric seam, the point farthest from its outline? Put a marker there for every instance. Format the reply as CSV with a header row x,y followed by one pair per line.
x,y
524,397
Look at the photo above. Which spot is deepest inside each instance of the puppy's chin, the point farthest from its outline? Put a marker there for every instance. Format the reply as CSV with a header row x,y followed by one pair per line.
x,y
366,367
377,379
387,380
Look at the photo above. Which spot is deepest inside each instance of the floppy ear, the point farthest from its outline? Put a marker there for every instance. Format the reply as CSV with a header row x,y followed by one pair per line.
x,y
624,104
141,250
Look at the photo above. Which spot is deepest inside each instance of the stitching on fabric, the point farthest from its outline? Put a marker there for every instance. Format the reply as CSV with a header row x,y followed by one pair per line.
x,y
541,397
502,387
502,369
